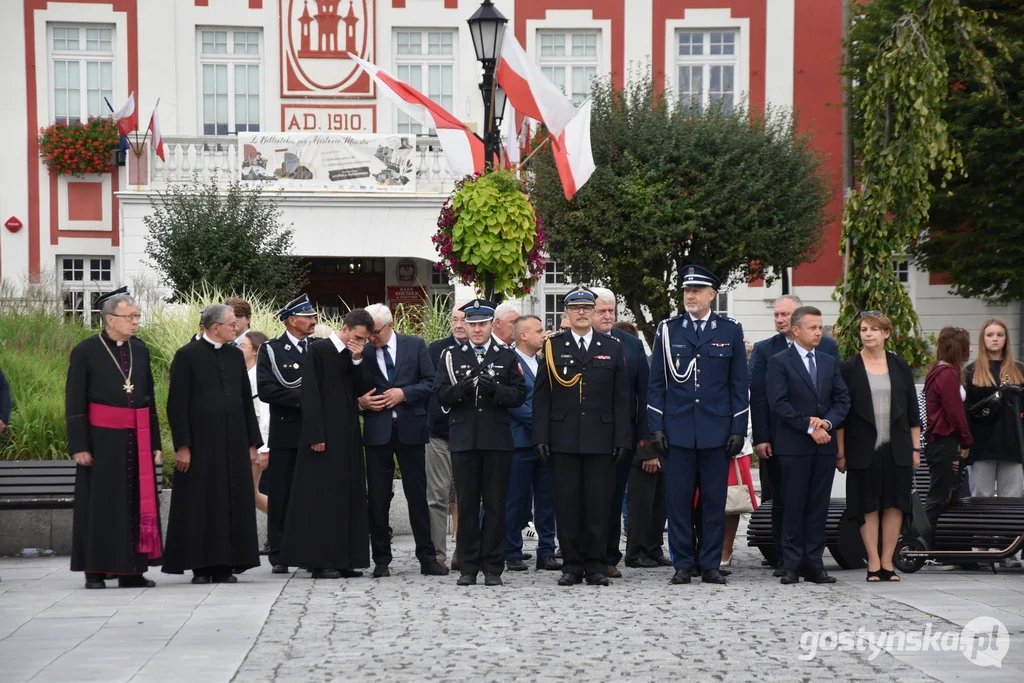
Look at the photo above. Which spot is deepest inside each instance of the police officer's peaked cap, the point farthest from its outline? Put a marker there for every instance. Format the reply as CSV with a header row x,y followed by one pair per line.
x,y
104,297
478,311
299,306
697,276
581,296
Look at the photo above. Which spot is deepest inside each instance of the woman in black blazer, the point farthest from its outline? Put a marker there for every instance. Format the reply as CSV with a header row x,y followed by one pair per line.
x,y
879,442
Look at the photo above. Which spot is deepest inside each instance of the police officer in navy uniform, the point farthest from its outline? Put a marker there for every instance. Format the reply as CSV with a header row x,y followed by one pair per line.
x,y
476,383
279,384
582,422
697,412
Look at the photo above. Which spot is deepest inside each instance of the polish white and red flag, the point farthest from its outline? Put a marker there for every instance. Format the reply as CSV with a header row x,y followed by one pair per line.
x,y
573,154
465,151
154,130
127,118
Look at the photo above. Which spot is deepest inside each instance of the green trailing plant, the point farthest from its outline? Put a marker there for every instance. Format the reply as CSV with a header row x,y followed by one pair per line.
x,y
489,235
905,150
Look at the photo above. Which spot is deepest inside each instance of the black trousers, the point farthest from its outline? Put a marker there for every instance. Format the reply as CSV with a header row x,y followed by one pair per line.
x,y
944,466
647,513
622,476
582,488
481,475
278,476
380,476
807,484
771,486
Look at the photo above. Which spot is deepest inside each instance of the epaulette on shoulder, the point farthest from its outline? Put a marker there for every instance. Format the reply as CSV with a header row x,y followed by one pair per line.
x,y
613,337
728,319
274,340
558,334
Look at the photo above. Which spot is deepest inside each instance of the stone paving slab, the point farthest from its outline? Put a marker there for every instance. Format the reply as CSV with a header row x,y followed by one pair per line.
x,y
414,628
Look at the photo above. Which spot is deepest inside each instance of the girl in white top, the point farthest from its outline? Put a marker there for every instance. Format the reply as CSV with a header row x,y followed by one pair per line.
x,y
250,347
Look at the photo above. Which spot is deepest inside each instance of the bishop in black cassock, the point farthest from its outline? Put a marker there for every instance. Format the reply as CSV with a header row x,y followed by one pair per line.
x,y
327,528
212,524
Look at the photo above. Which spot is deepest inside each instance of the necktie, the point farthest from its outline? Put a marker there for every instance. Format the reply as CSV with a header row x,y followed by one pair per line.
x,y
389,365
302,346
583,345
699,324
813,369
479,350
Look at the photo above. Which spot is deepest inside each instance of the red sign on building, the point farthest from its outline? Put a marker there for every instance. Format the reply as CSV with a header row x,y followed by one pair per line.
x,y
406,295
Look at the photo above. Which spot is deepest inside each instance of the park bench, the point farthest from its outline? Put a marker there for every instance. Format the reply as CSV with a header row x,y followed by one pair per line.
x,y
41,484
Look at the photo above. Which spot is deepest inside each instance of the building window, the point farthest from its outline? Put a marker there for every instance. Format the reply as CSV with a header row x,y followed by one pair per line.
x,y
570,60
439,277
229,75
721,304
553,275
902,267
707,63
83,280
554,306
82,66
426,61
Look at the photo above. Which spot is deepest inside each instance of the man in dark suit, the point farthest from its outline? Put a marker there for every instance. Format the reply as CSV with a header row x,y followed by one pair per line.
x,y
439,459
395,425
279,385
809,399
528,473
697,404
637,373
476,384
761,419
581,421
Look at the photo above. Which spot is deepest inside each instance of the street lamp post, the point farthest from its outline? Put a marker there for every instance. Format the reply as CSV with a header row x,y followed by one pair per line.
x,y
487,28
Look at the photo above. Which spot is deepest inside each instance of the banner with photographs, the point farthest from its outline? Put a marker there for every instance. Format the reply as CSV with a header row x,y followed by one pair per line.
x,y
326,161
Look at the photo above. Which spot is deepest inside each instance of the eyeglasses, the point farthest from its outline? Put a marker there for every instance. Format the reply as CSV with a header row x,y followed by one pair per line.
x,y
383,327
134,318
876,314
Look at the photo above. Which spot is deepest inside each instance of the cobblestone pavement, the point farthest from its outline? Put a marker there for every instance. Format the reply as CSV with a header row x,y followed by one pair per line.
x,y
414,628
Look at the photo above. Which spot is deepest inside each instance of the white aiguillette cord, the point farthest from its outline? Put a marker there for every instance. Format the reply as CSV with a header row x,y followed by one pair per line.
x,y
669,367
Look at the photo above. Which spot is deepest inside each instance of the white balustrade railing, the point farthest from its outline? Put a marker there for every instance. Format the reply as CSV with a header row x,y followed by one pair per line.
x,y
216,156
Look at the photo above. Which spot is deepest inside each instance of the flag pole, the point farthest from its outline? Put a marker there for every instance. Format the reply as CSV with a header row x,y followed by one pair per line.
x,y
539,148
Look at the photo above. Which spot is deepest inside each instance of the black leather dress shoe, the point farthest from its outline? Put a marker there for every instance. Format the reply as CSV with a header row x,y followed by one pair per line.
x,y
725,572
93,585
325,574
779,572
569,579
202,579
466,580
350,573
789,577
280,569
492,580
433,569
527,556
380,571
265,548
598,579
225,578
663,561
681,576
137,581
516,566
549,564
694,572
712,576
818,576
642,562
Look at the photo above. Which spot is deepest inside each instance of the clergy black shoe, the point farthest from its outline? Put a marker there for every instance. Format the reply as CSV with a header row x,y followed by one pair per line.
x,y
466,580
663,561
92,585
138,581
569,579
712,576
432,569
350,573
789,577
516,566
325,574
548,563
642,562
265,548
380,571
779,572
681,576
225,578
818,576
492,580
201,579
280,569
598,579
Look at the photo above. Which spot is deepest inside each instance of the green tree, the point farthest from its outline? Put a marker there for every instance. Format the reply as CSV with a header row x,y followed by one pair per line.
x,y
742,195
899,62
228,238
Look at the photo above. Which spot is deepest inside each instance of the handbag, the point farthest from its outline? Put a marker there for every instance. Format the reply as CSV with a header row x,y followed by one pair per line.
x,y
737,498
988,408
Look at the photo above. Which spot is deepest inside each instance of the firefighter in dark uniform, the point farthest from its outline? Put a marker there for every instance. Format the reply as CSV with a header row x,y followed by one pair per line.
x,y
581,422
477,381
279,384
697,405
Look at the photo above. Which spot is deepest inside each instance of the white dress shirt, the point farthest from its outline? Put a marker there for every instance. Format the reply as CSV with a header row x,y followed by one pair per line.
x,y
531,361
216,345
701,324
587,338
392,347
804,355
262,411
295,341
340,345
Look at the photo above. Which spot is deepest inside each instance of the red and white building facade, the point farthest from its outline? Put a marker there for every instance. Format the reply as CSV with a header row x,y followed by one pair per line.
x,y
223,67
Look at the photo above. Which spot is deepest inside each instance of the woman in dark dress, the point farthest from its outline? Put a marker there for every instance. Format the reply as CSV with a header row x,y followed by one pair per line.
x,y
879,443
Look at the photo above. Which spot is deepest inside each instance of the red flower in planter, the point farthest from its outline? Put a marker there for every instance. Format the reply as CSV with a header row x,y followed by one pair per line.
x,y
79,148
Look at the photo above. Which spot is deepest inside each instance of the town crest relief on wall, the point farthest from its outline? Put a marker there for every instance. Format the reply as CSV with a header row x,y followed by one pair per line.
x,y
316,37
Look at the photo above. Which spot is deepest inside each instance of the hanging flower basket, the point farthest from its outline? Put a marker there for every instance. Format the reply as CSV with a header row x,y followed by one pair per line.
x,y
488,227
79,148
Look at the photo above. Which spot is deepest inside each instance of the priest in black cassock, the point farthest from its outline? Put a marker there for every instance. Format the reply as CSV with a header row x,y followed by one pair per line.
x,y
212,524
327,529
114,437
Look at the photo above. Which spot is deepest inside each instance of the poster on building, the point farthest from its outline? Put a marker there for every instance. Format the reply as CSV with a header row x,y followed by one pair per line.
x,y
325,161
